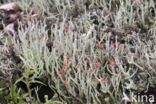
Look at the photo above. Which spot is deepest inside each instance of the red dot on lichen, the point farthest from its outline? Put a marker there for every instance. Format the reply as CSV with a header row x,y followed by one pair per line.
x,y
65,82
86,60
78,66
113,44
62,75
101,46
97,64
103,79
111,63
121,45
65,63
52,46
61,71
41,37
90,69
68,59
68,67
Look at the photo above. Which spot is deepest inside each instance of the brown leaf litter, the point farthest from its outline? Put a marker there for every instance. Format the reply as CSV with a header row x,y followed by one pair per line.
x,y
9,13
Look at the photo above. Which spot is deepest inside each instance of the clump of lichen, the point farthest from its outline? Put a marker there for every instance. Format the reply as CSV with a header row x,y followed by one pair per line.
x,y
79,52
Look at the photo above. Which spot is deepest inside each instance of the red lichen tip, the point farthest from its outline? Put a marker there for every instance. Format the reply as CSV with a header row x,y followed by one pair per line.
x,y
65,82
97,64
101,46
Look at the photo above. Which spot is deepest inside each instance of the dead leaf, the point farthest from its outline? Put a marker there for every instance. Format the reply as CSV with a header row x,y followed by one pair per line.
x,y
13,17
34,9
10,7
10,28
